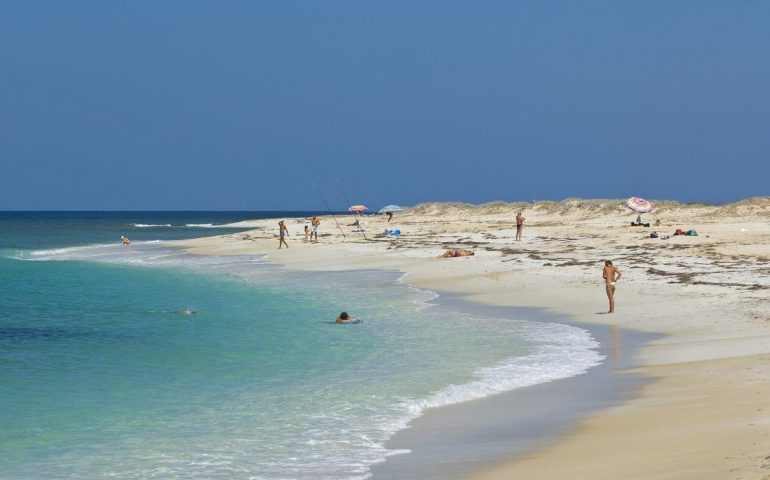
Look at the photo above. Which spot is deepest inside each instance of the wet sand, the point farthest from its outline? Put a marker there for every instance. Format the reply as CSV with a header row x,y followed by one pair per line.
x,y
455,441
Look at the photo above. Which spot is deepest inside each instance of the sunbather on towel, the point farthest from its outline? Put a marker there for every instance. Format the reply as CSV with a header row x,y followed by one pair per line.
x,y
457,252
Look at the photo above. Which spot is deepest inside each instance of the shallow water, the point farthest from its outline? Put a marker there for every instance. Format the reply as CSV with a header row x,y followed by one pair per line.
x,y
100,376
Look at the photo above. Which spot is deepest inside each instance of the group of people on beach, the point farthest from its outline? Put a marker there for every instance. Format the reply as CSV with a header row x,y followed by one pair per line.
x,y
311,232
610,273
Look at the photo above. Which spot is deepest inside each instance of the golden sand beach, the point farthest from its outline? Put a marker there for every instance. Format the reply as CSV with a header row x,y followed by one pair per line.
x,y
705,414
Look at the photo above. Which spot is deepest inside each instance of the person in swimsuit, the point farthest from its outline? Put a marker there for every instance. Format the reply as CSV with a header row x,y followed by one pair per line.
x,y
457,252
611,275
282,233
519,225
345,318
315,222
125,240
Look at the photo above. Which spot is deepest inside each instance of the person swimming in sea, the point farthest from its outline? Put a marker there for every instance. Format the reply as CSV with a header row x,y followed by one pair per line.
x,y
187,311
345,318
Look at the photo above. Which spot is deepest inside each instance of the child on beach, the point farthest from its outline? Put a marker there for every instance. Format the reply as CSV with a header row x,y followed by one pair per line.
x,y
307,234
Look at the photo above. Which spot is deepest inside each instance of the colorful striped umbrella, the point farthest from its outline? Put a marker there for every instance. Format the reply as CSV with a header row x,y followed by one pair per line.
x,y
639,205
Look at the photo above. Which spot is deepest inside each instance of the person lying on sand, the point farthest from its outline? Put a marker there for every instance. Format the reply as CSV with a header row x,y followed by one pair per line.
x,y
457,252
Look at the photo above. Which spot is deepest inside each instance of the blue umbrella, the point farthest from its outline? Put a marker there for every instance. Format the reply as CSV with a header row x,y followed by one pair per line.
x,y
391,209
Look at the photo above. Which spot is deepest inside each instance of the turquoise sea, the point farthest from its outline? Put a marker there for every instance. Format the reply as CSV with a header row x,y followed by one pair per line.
x,y
101,378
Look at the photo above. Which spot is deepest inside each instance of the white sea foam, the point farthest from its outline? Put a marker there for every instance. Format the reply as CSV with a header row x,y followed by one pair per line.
x,y
51,253
422,295
186,225
149,253
569,351
85,252
563,351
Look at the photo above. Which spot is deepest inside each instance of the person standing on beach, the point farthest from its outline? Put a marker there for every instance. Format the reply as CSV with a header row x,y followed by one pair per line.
x,y
282,233
611,275
315,222
519,225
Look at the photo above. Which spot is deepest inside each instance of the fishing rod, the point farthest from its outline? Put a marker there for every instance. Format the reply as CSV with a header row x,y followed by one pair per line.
x,y
329,209
360,226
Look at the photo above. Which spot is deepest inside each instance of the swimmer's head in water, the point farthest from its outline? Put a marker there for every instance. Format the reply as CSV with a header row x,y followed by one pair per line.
x,y
344,315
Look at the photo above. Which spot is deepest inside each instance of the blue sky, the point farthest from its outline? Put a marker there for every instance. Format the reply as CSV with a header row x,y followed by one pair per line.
x,y
240,105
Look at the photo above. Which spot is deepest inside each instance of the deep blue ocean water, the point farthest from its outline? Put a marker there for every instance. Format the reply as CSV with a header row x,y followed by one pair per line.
x,y
101,377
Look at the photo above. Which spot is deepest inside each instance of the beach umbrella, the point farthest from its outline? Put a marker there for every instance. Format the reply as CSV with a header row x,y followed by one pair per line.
x,y
357,208
391,209
639,204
